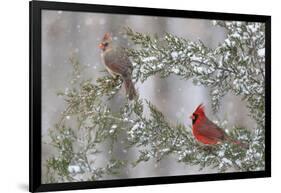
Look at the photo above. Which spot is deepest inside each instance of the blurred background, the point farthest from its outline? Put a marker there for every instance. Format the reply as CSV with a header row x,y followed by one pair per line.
x,y
75,33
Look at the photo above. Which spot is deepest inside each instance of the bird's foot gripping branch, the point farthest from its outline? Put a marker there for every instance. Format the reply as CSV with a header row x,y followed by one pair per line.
x,y
88,129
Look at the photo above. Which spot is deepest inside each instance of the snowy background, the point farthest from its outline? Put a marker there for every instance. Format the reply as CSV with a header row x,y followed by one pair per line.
x,y
73,33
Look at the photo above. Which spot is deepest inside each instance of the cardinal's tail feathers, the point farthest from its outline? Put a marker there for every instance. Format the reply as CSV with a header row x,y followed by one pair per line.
x,y
237,142
130,88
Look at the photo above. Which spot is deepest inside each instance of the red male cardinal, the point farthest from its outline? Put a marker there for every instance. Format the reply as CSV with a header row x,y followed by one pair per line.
x,y
117,63
208,132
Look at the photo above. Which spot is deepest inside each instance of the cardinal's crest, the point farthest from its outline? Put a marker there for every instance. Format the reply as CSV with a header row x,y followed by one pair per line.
x,y
107,36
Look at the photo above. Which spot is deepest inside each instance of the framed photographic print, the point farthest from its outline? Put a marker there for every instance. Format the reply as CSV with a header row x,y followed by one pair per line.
x,y
125,96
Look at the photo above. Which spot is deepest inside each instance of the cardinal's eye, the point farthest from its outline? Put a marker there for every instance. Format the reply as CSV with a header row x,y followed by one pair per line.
x,y
105,44
195,116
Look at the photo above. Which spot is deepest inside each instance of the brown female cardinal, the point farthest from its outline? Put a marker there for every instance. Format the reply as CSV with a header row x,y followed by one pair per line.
x,y
117,63
208,132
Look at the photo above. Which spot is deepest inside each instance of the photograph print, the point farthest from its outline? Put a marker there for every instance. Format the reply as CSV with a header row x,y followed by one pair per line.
x,y
134,96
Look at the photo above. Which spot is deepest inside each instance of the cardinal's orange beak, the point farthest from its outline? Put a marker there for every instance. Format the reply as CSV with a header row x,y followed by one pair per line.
x,y
101,46
191,117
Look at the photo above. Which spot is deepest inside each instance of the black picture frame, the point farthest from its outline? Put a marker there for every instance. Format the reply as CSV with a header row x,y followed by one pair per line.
x,y
35,9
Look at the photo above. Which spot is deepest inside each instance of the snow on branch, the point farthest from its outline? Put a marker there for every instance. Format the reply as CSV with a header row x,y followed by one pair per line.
x,y
236,66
